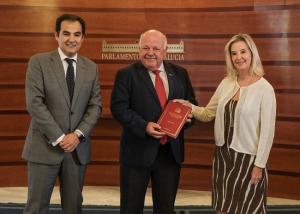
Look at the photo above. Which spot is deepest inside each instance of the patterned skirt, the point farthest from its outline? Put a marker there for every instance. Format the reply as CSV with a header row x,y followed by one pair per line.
x,y
232,191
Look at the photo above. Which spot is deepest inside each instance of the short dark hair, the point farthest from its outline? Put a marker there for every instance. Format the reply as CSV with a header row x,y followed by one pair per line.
x,y
69,17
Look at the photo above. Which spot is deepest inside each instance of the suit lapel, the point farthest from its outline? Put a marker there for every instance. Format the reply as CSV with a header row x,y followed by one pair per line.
x,y
60,75
171,79
80,68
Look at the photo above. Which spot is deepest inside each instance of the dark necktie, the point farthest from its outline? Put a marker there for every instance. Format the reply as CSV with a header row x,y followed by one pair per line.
x,y
70,77
161,93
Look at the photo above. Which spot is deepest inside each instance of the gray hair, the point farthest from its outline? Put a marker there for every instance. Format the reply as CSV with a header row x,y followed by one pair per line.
x,y
160,34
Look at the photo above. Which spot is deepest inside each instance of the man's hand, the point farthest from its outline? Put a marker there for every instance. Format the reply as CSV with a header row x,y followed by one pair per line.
x,y
153,129
69,142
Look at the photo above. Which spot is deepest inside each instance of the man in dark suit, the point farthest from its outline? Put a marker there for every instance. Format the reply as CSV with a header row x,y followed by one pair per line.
x,y
145,152
63,100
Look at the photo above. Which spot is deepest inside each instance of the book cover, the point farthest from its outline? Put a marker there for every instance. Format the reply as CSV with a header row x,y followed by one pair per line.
x,y
173,118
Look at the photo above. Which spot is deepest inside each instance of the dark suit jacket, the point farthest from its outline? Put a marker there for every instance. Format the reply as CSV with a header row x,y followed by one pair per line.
x,y
49,106
134,103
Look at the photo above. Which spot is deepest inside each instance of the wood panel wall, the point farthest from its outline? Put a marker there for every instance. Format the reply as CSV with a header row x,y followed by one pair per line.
x,y
26,28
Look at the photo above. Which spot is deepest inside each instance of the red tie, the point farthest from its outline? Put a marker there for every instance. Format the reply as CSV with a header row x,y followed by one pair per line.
x,y
161,93
160,89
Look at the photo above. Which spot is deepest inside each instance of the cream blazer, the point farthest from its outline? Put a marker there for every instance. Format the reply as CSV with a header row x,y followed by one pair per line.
x,y
255,115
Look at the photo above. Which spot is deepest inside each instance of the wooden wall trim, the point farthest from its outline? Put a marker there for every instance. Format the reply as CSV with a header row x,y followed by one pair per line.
x,y
137,22
185,62
281,77
131,3
153,8
170,36
285,112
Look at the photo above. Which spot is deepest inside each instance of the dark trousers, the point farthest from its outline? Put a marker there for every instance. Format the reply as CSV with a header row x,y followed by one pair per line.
x,y
164,174
41,181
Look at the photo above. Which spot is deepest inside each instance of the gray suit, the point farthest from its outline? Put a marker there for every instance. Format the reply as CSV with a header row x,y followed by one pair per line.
x,y
53,115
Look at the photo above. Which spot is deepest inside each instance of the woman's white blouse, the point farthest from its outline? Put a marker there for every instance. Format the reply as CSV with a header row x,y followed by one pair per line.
x,y
254,123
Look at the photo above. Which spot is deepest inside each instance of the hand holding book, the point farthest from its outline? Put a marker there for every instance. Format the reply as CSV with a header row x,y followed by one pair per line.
x,y
186,103
173,118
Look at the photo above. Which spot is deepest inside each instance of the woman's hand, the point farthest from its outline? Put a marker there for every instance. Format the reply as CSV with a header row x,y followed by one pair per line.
x,y
256,175
184,102
189,118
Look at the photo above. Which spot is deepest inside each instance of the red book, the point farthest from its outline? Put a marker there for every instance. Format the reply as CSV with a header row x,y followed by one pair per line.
x,y
173,118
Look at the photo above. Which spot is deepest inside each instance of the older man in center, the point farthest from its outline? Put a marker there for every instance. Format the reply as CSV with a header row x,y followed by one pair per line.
x,y
140,93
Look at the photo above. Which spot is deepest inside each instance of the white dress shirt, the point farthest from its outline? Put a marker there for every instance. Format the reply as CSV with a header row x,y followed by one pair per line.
x,y
163,76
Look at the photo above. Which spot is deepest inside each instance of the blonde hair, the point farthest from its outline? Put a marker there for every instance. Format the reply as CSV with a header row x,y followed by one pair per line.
x,y
256,65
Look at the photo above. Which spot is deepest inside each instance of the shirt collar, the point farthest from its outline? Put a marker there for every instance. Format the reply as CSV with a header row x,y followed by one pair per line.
x,y
63,56
161,68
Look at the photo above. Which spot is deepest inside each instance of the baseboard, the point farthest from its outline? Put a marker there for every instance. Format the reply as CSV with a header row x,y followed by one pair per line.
x,y
12,208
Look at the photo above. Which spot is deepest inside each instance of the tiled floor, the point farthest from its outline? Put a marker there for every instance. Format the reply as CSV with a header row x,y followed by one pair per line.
x,y
106,195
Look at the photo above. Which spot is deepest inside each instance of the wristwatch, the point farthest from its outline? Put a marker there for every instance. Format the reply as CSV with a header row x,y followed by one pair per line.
x,y
80,136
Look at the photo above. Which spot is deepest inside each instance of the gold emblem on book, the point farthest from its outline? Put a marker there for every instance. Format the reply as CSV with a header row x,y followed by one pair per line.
x,y
177,110
176,113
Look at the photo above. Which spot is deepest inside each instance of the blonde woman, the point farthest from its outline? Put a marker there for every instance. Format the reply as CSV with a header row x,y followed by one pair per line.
x,y
244,109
